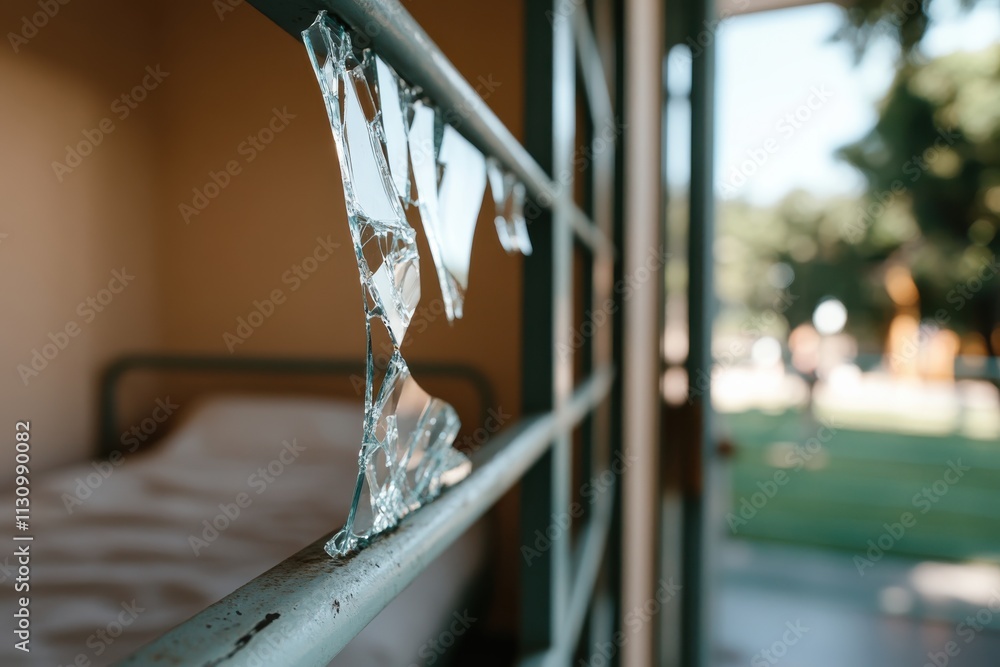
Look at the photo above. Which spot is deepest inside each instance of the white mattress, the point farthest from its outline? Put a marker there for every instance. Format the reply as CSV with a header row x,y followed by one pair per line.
x,y
130,539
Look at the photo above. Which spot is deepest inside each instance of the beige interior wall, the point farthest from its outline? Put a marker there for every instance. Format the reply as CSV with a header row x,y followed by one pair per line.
x,y
63,238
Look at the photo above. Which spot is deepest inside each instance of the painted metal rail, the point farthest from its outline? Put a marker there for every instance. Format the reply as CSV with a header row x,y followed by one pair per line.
x,y
305,610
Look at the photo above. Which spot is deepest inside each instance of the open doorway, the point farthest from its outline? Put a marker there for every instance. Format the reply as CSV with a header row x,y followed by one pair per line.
x,y
855,426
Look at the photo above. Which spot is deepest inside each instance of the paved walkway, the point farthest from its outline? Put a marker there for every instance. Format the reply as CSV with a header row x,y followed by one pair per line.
x,y
799,607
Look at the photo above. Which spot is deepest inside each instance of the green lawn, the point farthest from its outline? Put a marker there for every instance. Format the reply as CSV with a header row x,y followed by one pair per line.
x,y
867,479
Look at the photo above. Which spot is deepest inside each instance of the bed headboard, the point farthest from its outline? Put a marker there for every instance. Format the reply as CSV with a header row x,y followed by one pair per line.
x,y
111,379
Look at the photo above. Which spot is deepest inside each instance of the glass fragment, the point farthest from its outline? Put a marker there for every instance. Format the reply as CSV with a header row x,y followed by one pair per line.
x,y
450,177
508,196
406,456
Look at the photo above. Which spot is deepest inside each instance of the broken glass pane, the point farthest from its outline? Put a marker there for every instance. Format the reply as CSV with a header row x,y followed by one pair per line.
x,y
406,455
508,195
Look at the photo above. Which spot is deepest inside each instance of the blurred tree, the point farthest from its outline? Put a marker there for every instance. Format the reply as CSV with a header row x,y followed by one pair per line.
x,y
903,21
932,163
935,153
791,257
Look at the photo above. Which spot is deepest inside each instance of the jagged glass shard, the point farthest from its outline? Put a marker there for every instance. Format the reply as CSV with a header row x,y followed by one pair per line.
x,y
508,195
460,198
450,177
406,455
393,106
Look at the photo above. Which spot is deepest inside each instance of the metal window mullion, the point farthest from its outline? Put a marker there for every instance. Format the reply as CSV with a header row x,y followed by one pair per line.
x,y
602,168
540,589
590,552
600,611
701,298
643,80
563,147
614,31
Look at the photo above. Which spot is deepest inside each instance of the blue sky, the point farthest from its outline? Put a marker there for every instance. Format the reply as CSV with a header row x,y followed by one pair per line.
x,y
776,63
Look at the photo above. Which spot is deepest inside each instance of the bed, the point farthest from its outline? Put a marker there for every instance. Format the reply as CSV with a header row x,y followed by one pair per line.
x,y
241,484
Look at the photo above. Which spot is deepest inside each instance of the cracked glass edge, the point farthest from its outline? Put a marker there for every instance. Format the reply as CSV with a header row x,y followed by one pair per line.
x,y
406,457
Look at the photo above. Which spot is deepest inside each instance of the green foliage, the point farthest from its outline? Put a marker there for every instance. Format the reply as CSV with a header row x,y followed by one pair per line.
x,y
935,152
932,163
808,236
905,22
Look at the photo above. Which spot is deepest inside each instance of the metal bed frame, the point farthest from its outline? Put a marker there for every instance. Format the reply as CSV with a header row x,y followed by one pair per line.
x,y
307,608
109,427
